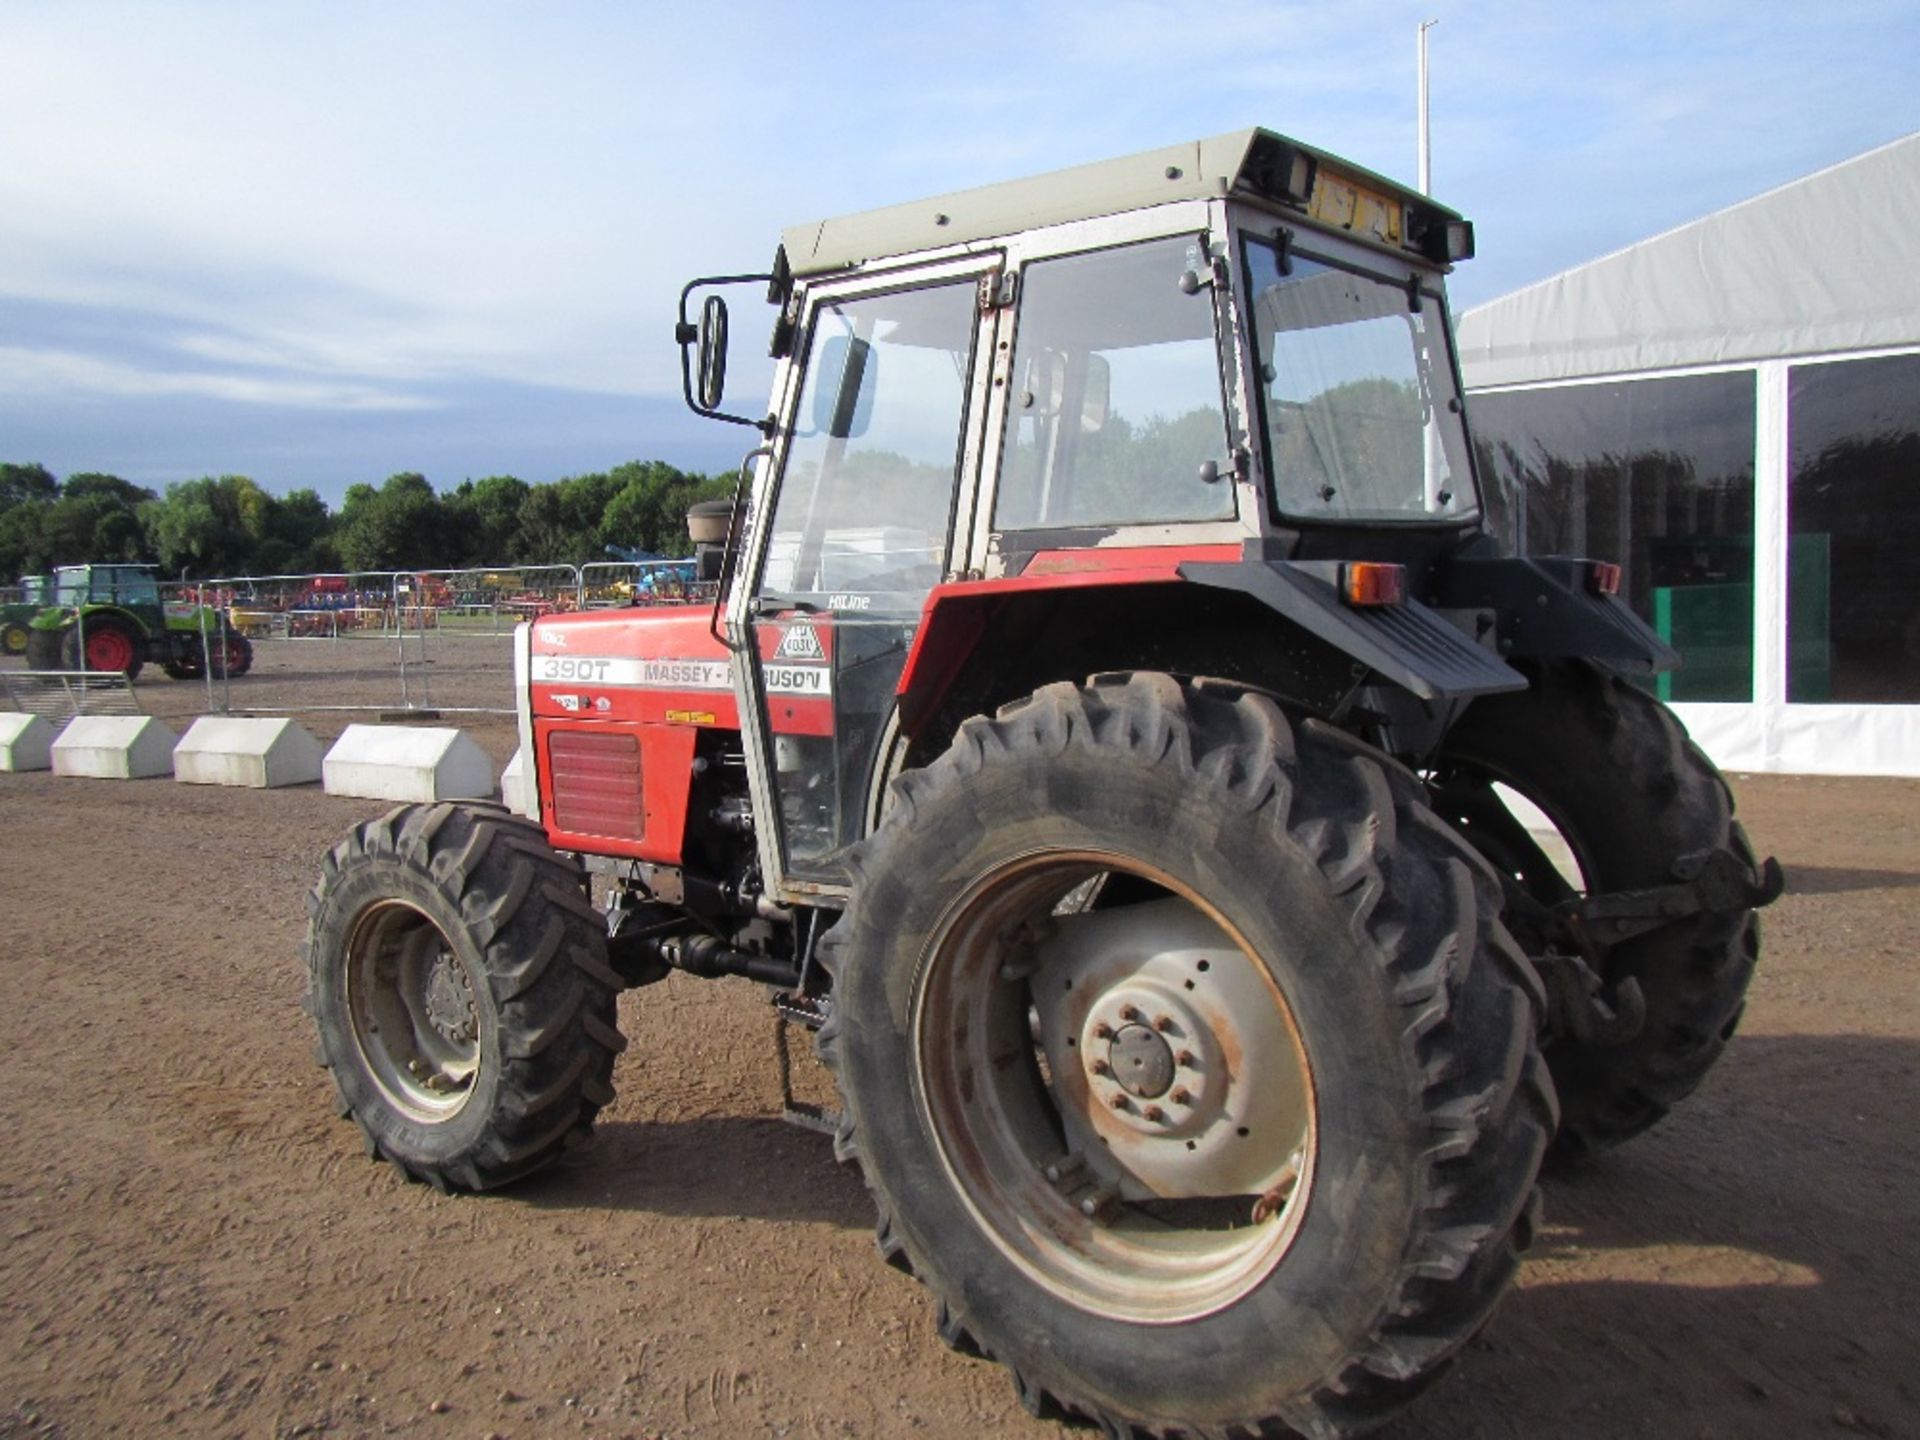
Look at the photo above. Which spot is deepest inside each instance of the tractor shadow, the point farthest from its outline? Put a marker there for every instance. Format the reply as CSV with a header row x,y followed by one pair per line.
x,y
734,1166
1835,880
1744,1269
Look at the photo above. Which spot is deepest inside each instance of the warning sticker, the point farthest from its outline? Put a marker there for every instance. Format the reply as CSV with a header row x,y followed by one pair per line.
x,y
801,642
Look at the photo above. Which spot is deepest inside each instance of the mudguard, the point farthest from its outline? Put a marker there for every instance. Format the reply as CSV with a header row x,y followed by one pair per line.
x,y
1544,611
1409,644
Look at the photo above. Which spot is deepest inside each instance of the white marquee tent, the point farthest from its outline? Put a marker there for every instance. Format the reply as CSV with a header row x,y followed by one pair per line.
x,y
1732,411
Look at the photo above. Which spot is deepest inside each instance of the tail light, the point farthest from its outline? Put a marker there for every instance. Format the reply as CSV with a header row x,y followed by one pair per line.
x,y
1603,578
1368,582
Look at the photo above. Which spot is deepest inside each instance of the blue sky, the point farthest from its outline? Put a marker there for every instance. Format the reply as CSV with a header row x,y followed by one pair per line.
x,y
320,243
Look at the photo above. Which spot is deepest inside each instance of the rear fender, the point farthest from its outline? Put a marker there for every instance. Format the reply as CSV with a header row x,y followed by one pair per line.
x,y
959,615
1543,610
1408,645
61,619
983,643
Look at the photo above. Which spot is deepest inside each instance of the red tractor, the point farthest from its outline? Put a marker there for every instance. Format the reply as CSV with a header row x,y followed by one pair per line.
x,y
1104,738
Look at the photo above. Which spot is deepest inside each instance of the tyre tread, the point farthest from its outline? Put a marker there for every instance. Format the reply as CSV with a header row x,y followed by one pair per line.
x,y
543,960
1363,819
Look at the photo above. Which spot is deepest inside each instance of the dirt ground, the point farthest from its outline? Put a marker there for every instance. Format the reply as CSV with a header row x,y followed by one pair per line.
x,y
192,1243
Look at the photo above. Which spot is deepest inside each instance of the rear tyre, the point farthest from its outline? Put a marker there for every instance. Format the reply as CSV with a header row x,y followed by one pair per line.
x,y
1251,1147
1631,795
459,980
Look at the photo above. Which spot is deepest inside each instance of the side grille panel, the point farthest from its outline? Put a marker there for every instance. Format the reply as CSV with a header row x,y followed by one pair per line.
x,y
596,784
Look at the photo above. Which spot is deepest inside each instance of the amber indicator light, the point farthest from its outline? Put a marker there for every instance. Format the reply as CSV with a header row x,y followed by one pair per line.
x,y
1367,582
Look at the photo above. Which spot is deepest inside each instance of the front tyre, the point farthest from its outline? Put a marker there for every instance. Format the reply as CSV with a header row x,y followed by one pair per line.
x,y
459,980
1187,1061
46,649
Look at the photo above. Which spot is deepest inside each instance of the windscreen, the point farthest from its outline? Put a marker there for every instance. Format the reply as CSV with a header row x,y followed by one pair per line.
x,y
1357,393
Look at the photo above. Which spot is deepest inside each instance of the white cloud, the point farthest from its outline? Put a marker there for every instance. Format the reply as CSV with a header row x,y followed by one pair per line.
x,y
26,371
366,194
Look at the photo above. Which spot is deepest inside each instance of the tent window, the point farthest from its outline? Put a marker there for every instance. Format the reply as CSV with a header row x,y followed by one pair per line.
x,y
1654,475
1853,526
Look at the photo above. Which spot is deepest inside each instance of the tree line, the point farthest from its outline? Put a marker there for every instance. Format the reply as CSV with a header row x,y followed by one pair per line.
x,y
230,525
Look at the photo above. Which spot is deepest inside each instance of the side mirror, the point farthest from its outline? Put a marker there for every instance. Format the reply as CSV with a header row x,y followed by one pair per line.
x,y
703,352
712,367
843,387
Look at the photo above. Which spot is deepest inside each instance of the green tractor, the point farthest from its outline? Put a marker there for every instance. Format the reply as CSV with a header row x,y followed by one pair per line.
x,y
111,617
18,606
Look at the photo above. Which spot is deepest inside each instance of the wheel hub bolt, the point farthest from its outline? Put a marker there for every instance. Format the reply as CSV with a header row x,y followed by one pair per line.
x,y
1100,1067
1182,1096
1154,1113
1120,1102
1184,1059
1103,1031
1163,1023
1129,1012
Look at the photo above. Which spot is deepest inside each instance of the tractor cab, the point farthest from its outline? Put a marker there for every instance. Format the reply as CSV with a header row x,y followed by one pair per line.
x,y
133,586
1006,423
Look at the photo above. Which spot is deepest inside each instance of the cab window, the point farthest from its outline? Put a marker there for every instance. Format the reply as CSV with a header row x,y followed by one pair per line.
x,y
866,497
1356,392
1115,415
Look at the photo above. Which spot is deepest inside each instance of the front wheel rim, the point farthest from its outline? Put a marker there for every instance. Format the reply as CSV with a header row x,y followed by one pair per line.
x,y
1121,1098
413,1011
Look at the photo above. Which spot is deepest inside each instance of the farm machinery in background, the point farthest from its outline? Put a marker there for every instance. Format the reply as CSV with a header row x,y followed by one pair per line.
x,y
112,618
18,606
1101,740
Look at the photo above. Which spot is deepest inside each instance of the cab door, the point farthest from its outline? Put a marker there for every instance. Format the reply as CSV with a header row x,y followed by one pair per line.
x,y
879,456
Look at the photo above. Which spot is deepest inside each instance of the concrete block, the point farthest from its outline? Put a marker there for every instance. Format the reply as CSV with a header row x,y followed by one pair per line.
x,y
114,747
516,786
407,762
235,750
26,742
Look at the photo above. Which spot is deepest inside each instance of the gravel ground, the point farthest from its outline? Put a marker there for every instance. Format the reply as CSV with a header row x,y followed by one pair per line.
x,y
192,1243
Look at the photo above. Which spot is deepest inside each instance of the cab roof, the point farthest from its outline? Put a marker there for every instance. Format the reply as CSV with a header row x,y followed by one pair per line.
x,y
1255,164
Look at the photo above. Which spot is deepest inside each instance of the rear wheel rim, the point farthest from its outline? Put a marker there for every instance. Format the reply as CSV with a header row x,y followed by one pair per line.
x,y
109,650
411,1005
1142,1147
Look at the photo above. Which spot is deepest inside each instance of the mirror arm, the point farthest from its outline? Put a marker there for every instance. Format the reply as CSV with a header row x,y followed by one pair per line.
x,y
686,333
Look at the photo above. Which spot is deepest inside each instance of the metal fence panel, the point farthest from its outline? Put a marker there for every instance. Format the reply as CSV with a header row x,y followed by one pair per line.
x,y
68,692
